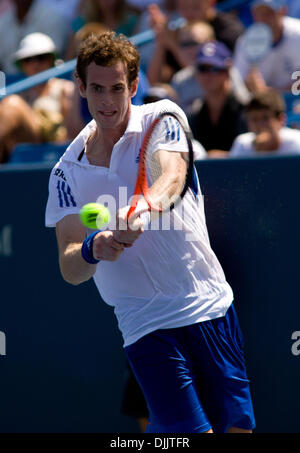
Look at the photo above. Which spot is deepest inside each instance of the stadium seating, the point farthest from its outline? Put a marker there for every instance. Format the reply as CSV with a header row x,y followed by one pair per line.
x,y
33,153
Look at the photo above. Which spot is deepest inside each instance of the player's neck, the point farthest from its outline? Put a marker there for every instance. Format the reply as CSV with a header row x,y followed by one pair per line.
x,y
100,145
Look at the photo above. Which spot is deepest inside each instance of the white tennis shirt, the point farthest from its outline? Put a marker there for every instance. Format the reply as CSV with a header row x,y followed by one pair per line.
x,y
170,277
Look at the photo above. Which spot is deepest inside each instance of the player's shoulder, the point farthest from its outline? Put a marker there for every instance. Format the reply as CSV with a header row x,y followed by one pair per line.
x,y
154,109
160,106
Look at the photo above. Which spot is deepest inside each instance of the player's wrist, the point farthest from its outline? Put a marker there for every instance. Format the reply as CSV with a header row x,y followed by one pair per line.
x,y
87,249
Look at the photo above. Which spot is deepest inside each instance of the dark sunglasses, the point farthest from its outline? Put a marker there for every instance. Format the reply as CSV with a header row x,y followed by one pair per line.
x,y
210,69
188,43
39,58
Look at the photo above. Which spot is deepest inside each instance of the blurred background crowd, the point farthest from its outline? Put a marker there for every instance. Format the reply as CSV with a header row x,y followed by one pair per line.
x,y
237,105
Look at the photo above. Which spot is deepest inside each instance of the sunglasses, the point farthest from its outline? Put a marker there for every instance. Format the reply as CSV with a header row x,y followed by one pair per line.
x,y
39,58
188,43
210,69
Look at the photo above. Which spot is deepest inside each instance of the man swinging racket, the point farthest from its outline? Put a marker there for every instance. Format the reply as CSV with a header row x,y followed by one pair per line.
x,y
170,296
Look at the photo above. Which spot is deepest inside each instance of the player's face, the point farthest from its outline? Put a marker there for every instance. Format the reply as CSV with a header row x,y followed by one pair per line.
x,y
108,95
263,120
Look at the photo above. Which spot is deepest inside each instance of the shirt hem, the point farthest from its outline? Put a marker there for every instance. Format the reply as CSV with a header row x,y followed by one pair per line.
x,y
186,322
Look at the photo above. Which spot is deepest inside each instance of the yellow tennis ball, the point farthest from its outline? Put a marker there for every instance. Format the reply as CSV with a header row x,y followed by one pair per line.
x,y
92,215
103,217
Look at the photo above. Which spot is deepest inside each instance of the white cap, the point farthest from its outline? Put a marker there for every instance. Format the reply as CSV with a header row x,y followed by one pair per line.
x,y
34,44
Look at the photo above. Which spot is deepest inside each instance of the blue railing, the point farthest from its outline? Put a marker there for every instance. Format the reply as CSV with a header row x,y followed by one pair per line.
x,y
68,67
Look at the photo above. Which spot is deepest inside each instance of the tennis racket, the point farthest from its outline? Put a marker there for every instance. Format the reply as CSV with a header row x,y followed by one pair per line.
x,y
165,167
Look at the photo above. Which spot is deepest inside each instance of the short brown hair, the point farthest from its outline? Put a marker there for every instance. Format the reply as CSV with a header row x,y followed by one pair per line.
x,y
106,49
267,100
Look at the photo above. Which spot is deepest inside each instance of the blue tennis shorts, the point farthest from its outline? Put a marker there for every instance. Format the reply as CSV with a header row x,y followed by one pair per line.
x,y
194,377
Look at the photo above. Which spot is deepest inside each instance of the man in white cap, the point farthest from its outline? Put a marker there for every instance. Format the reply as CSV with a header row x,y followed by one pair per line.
x,y
35,48
39,114
283,58
28,16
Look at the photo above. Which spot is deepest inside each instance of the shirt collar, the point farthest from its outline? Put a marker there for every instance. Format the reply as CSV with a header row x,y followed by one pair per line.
x,y
135,120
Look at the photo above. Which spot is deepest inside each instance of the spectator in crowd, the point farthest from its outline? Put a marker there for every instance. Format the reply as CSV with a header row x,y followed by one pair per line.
x,y
220,118
182,44
114,14
225,26
67,9
168,7
283,58
38,116
268,134
28,16
185,82
109,14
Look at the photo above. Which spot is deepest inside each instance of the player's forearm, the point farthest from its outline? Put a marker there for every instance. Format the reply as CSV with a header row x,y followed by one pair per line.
x,y
73,267
171,179
164,189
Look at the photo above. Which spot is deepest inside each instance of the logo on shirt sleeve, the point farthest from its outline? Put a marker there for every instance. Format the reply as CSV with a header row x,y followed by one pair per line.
x,y
172,129
65,196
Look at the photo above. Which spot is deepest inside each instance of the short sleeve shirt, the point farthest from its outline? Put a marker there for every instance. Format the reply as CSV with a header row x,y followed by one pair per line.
x,y
170,277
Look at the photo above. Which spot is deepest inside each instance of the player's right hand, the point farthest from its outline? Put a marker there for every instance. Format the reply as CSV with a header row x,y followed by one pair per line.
x,y
105,247
127,232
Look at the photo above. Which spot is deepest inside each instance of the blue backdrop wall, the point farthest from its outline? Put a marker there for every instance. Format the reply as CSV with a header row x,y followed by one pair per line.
x,y
62,367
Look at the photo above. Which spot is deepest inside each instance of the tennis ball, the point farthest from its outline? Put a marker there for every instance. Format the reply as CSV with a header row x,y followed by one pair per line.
x,y
103,217
94,215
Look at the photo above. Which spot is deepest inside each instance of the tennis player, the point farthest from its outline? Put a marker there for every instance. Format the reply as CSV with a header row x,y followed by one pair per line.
x,y
169,293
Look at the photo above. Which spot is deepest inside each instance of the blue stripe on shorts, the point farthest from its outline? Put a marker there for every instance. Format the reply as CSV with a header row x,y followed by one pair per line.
x,y
194,377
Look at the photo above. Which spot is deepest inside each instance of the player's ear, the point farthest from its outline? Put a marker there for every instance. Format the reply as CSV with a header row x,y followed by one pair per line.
x,y
81,86
134,87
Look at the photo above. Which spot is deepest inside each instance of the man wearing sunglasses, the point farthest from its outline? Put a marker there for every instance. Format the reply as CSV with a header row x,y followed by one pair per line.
x,y
220,118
